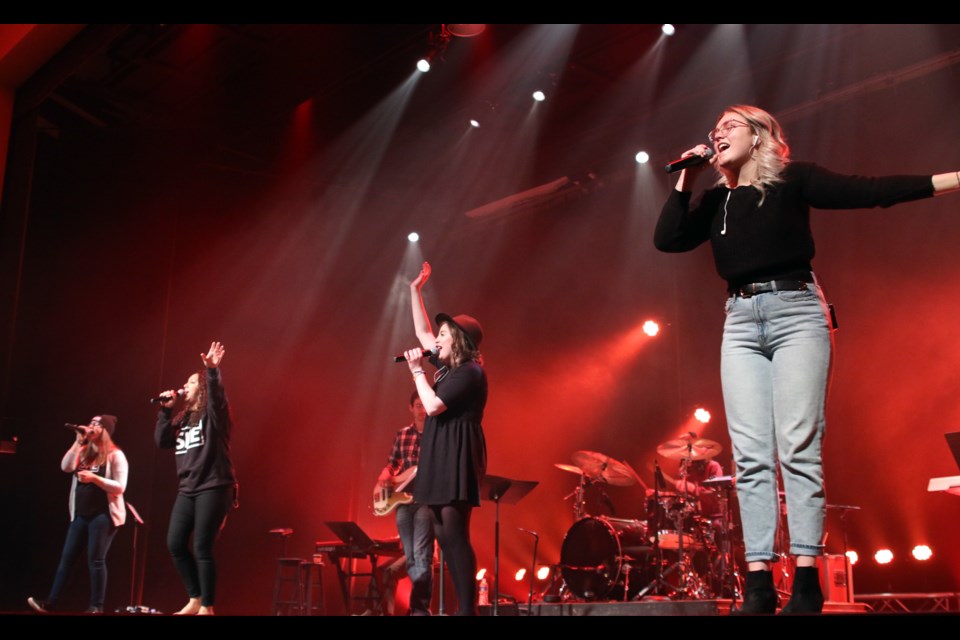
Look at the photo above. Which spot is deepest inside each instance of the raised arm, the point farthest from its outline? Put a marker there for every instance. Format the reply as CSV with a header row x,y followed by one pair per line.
x,y
421,321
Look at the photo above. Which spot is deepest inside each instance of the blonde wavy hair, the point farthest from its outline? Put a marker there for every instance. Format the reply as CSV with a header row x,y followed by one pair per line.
x,y
97,453
771,152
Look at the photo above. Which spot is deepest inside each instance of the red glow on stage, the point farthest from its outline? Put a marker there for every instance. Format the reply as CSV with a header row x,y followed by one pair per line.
x,y
543,573
481,574
853,556
883,556
922,552
519,575
651,328
702,415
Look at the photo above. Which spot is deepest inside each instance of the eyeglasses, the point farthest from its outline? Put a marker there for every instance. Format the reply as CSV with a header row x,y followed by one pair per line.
x,y
724,129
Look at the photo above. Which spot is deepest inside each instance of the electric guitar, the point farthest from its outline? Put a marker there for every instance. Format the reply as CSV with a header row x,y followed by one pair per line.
x,y
386,499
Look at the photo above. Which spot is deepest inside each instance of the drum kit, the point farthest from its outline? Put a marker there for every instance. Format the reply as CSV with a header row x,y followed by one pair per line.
x,y
677,550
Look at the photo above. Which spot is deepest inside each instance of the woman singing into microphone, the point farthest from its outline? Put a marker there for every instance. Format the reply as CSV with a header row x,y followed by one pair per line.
x,y
453,451
778,335
97,510
200,435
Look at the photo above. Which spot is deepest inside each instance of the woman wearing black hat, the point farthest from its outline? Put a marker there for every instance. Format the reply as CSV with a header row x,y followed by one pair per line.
x,y
99,471
453,451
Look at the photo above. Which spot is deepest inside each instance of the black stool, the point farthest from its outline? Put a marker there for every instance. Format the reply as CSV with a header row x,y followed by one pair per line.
x,y
311,582
287,591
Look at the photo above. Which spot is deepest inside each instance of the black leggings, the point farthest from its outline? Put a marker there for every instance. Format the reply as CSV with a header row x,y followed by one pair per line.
x,y
451,525
204,515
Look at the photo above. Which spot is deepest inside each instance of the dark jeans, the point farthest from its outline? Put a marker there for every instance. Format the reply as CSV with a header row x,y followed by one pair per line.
x,y
415,526
97,532
204,515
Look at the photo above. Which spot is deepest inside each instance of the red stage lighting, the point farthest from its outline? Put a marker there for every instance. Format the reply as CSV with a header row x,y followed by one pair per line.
x,y
702,415
651,328
883,556
853,556
481,574
922,552
518,576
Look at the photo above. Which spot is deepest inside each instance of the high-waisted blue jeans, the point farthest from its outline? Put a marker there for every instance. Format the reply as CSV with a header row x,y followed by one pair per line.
x,y
774,366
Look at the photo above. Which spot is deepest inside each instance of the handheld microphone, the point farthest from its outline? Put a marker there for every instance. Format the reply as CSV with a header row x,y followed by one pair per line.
x,y
426,354
78,428
179,392
690,161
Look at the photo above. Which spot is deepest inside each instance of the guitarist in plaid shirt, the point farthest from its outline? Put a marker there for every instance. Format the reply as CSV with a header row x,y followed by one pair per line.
x,y
414,522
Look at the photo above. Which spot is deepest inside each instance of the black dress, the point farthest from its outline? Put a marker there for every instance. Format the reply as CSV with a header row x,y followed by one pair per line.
x,y
453,451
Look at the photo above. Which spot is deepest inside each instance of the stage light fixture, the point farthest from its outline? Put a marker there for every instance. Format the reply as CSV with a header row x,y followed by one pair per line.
x,y
922,552
853,556
642,157
702,415
543,573
423,65
668,29
474,124
518,576
413,236
464,30
883,556
539,96
481,574
651,328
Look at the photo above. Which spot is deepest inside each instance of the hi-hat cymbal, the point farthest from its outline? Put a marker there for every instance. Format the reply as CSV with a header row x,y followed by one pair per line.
x,y
569,467
600,467
688,448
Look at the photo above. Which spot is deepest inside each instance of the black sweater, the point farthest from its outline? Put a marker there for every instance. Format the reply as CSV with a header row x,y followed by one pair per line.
x,y
202,450
773,240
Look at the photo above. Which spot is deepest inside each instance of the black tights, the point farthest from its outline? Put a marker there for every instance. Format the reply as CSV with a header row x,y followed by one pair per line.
x,y
203,515
451,525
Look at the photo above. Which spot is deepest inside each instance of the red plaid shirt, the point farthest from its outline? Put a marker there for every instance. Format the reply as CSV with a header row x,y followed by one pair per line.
x,y
406,450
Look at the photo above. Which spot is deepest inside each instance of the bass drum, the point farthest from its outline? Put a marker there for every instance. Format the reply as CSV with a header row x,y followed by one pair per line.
x,y
600,556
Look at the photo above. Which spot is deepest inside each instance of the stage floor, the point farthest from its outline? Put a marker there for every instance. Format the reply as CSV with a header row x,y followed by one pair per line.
x,y
647,607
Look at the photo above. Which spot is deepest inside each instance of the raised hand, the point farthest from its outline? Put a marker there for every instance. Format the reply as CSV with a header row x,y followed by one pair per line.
x,y
214,355
422,277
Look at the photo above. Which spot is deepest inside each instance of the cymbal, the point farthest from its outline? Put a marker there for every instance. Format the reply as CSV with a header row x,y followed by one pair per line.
x,y
600,467
688,448
569,467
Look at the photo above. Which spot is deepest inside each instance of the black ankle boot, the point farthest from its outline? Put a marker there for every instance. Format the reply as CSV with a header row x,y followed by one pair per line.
x,y
759,596
807,597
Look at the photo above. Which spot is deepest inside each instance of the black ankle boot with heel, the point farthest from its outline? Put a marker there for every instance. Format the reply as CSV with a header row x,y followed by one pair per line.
x,y
807,597
759,596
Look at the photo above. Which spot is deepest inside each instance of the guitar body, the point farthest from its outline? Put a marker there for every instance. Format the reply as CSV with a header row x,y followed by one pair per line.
x,y
386,499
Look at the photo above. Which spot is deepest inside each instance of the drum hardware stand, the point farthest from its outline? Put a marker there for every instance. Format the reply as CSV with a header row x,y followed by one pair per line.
x,y
729,575
691,585
659,580
579,496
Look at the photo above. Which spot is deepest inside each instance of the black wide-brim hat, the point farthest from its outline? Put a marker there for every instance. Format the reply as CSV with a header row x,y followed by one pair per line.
x,y
469,325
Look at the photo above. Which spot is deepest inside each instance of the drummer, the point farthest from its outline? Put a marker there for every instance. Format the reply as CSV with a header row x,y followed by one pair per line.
x,y
692,475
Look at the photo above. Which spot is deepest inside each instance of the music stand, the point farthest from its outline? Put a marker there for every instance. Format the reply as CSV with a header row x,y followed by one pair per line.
x,y
500,489
358,544
136,581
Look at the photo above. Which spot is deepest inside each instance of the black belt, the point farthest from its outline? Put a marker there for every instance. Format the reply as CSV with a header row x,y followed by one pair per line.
x,y
752,289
